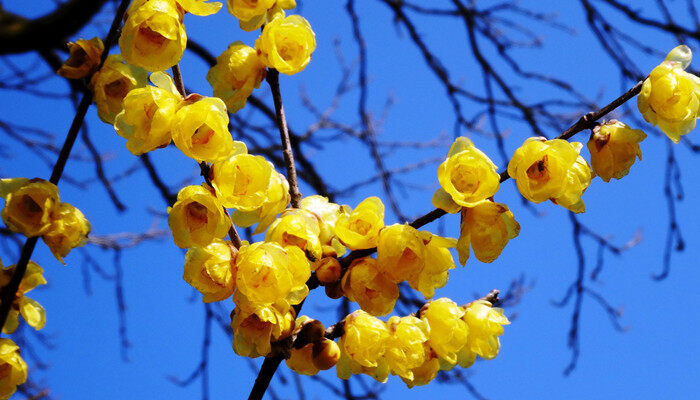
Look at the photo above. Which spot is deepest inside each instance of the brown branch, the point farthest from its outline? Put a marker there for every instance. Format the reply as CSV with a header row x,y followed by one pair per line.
x,y
274,82
8,293
21,35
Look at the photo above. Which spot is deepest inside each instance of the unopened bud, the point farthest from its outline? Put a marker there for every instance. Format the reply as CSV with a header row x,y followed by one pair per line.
x,y
334,290
311,331
328,270
325,354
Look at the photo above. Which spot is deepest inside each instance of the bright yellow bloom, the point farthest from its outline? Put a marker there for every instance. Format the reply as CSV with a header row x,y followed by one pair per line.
x,y
153,36
112,83
365,284
197,217
359,228
200,131
200,7
467,175
425,373
28,205
242,181
83,59
485,326
301,360
670,96
211,270
326,212
256,326
31,311
614,147
268,273
237,72
148,114
438,260
252,14
347,366
365,338
487,228
276,201
13,369
286,44
400,252
551,170
407,347
296,227
448,332
69,229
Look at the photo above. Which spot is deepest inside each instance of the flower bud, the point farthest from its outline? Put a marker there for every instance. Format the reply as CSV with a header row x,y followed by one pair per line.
x,y
365,284
301,360
614,147
211,270
28,205
551,170
487,228
359,228
200,131
237,72
467,175
334,290
670,96
112,83
310,330
153,36
286,44
325,354
13,366
83,58
147,117
69,229
328,270
197,217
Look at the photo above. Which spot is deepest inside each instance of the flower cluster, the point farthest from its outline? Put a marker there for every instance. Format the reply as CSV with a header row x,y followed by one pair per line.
x,y
33,208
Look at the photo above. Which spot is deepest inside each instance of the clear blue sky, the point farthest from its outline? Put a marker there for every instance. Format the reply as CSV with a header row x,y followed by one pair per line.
x,y
655,358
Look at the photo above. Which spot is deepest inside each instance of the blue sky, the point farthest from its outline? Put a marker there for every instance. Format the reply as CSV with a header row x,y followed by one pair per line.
x,y
654,358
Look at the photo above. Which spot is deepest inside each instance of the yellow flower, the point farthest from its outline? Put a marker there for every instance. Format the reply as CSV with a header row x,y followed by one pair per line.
x,y
365,284
296,227
407,347
468,176
200,131
326,212
275,202
448,332
242,181
148,114
365,338
153,36
83,58
551,170
28,205
197,217
670,96
301,360
31,311
487,228
347,366
256,326
485,326
425,373
438,260
400,252
210,270
237,72
200,7
268,273
252,14
359,228
112,83
286,44
13,369
614,147
325,354
69,229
